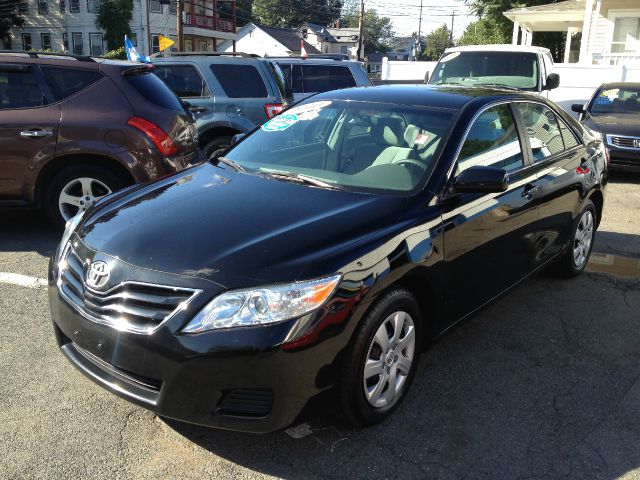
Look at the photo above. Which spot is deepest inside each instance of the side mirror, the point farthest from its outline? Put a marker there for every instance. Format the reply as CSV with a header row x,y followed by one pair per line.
x,y
553,81
482,180
237,137
577,107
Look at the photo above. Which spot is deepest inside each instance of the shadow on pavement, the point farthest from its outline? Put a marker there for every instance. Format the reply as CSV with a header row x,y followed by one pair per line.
x,y
543,384
27,231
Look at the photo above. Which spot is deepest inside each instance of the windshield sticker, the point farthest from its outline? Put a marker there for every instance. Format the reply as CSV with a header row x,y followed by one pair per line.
x,y
607,96
280,123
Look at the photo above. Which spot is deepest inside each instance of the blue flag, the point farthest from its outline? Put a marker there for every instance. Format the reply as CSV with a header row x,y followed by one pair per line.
x,y
132,53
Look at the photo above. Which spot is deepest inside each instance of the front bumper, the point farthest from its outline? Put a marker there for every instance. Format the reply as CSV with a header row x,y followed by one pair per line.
x,y
624,160
248,379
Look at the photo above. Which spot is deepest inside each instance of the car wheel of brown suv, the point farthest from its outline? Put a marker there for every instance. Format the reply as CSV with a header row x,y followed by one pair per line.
x,y
76,188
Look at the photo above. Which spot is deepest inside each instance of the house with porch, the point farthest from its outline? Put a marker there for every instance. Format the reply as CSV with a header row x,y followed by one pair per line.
x,y
609,29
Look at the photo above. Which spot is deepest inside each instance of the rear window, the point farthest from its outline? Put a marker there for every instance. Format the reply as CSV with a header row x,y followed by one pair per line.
x,y
240,81
322,78
68,81
154,90
184,80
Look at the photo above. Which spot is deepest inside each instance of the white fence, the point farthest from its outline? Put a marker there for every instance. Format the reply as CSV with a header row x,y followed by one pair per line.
x,y
577,81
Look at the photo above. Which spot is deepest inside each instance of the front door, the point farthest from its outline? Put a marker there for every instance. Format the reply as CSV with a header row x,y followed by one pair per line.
x,y
488,239
28,129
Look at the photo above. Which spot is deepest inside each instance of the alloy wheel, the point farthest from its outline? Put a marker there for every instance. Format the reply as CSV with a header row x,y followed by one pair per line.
x,y
582,239
80,194
389,360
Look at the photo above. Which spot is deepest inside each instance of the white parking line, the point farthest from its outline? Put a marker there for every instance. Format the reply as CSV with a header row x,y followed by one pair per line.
x,y
22,280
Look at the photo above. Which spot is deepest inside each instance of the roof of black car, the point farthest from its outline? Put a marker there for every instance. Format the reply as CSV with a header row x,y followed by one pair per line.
x,y
453,97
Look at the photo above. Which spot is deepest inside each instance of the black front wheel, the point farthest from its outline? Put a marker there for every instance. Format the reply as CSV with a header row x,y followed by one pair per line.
x,y
382,360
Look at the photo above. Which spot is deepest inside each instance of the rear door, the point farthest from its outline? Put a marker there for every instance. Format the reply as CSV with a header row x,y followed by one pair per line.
x,y
557,155
29,123
487,237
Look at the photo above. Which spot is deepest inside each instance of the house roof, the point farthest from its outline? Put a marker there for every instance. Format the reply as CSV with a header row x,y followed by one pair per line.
x,y
288,38
343,34
566,6
499,48
551,17
320,31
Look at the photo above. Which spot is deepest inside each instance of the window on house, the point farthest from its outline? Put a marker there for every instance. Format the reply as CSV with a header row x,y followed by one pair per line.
x,y
93,6
95,44
74,6
43,7
45,38
155,43
492,141
344,50
26,41
65,42
156,6
626,35
23,7
202,45
78,45
172,6
63,6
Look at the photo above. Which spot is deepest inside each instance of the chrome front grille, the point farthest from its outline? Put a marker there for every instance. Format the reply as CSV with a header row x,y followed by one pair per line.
x,y
130,306
630,143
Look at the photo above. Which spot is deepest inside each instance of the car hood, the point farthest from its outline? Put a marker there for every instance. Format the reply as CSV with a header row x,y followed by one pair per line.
x,y
621,124
235,229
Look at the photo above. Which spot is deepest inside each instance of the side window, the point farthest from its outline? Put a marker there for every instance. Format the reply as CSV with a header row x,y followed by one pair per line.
x,y
322,78
66,81
568,137
240,81
19,88
184,80
492,141
542,128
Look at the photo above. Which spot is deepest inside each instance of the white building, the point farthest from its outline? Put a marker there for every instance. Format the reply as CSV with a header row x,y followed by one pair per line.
x,y
267,41
331,40
70,26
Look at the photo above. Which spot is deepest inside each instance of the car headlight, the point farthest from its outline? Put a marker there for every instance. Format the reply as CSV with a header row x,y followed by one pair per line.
x,y
260,306
69,228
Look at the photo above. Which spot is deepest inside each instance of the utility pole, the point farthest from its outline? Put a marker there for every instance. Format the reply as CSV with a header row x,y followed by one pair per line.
x,y
150,45
361,28
419,33
453,14
180,25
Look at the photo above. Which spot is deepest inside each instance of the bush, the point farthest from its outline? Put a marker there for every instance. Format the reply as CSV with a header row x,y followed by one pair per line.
x,y
117,54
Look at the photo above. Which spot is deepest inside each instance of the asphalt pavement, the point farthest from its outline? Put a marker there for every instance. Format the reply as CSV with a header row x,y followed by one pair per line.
x,y
545,383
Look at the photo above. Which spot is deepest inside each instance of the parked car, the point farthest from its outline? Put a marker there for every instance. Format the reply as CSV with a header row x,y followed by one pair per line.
x,y
614,112
520,67
347,233
74,129
230,93
316,74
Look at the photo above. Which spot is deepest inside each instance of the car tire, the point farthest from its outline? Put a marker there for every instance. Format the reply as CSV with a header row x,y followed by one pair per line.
x,y
365,398
67,192
216,146
583,232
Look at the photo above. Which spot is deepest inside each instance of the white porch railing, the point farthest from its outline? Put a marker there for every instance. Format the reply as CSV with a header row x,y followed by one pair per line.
x,y
616,58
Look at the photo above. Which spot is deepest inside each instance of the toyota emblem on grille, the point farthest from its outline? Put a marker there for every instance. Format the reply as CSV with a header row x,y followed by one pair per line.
x,y
98,274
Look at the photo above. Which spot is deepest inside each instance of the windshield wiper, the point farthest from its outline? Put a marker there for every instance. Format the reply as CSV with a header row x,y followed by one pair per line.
x,y
297,177
229,162
497,85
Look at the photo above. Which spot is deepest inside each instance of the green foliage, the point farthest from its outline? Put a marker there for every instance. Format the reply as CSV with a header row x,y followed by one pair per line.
x,y
483,32
117,54
10,18
492,10
243,11
294,13
436,43
377,30
114,18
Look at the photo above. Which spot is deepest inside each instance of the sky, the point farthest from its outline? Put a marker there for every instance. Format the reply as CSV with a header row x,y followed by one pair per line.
x,y
405,14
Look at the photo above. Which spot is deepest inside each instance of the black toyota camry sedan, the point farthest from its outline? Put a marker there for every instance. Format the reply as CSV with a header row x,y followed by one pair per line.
x,y
614,113
318,257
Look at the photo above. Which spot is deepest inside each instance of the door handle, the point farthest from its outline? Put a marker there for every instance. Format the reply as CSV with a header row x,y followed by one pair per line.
x,y
530,191
35,133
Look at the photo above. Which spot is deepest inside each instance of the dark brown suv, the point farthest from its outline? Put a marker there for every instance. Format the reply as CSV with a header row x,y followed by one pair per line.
x,y
74,129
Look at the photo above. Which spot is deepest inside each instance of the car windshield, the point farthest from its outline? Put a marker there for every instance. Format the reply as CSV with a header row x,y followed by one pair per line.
x,y
511,69
357,146
616,100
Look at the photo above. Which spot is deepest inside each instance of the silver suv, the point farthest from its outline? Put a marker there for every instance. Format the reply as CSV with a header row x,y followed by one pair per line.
x,y
316,74
229,93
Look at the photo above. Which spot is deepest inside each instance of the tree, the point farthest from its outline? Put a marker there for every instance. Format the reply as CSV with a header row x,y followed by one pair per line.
x,y
482,32
243,11
436,43
377,31
114,18
293,13
9,17
492,10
